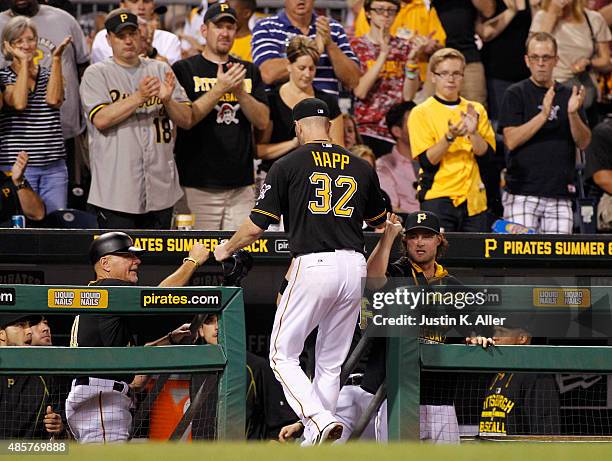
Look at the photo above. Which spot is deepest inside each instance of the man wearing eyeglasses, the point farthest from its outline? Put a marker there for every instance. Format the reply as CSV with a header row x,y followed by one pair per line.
x,y
447,133
542,123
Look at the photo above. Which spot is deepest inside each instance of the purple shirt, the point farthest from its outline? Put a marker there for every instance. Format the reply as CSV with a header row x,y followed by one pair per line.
x,y
397,179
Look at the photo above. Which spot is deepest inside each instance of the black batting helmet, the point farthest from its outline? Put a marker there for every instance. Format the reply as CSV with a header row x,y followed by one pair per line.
x,y
112,243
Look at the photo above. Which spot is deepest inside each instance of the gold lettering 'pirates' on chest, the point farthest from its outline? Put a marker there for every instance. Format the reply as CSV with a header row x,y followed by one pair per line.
x,y
205,84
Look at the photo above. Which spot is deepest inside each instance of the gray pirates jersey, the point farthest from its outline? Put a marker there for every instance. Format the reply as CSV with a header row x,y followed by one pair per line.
x,y
132,163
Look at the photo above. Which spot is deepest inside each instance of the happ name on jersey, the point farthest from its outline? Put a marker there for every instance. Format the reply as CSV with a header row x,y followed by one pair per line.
x,y
333,160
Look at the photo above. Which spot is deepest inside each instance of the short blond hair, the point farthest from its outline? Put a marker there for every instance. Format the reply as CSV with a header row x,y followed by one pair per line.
x,y
443,55
364,152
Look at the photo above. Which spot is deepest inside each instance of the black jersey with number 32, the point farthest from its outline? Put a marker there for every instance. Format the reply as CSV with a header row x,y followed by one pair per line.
x,y
324,195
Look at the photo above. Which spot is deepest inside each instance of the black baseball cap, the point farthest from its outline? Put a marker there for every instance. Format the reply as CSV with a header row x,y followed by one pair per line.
x,y
161,9
118,22
112,243
310,107
10,318
423,220
220,11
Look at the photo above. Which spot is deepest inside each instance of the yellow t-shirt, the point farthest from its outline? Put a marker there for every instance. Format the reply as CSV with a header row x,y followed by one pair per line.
x,y
457,175
412,17
242,48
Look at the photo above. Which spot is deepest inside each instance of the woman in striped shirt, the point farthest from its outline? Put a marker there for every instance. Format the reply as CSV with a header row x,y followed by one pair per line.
x,y
30,118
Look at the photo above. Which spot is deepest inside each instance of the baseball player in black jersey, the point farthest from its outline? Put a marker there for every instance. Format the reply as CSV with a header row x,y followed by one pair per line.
x,y
324,195
98,408
29,405
424,244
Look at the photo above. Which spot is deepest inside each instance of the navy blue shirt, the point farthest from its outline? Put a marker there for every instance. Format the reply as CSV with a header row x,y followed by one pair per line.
x,y
271,36
544,166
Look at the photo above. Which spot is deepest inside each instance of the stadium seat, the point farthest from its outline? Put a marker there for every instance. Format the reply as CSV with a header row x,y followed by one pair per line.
x,y
70,218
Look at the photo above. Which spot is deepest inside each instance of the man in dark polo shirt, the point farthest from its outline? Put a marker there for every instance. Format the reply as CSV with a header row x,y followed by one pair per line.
x,y
98,408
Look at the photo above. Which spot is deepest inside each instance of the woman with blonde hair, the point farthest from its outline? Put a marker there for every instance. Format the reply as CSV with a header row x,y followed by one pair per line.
x,y
582,37
279,137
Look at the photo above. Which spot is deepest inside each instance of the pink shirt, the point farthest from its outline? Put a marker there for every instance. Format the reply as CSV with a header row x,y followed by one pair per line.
x,y
397,179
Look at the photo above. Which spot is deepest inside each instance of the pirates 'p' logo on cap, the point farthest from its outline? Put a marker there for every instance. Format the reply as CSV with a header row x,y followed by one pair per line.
x,y
123,17
421,217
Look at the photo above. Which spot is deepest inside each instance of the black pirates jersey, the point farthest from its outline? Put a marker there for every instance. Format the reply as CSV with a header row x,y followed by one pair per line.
x,y
324,195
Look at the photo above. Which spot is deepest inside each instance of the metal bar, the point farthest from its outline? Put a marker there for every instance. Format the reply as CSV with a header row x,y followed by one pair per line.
x,y
110,360
541,359
371,410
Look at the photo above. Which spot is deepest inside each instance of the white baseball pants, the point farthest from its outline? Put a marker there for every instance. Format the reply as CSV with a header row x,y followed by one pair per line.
x,y
96,413
324,290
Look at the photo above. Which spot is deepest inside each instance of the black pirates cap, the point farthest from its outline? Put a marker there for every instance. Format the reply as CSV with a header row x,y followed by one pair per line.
x,y
423,220
118,22
112,243
219,11
11,318
310,107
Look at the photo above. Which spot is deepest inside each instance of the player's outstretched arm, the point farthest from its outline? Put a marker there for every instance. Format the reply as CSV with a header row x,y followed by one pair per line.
x,y
197,256
379,258
247,234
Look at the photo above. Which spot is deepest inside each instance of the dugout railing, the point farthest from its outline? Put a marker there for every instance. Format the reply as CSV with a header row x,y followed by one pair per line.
x,y
227,358
583,319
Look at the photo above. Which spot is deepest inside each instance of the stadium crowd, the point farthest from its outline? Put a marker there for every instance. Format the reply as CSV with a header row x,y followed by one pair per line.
x,y
133,123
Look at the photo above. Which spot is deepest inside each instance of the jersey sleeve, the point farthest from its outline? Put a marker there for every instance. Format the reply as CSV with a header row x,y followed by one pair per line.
x,y
420,133
376,209
94,92
267,208
512,110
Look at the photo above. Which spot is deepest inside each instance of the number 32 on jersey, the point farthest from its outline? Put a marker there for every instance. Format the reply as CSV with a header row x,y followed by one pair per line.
x,y
323,193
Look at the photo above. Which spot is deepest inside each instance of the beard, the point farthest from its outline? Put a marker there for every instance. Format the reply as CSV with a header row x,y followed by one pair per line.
x,y
29,9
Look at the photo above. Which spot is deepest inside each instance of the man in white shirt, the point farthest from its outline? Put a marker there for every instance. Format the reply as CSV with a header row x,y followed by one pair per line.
x,y
165,43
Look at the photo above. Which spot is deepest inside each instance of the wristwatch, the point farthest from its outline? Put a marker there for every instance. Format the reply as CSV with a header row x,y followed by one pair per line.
x,y
449,137
24,185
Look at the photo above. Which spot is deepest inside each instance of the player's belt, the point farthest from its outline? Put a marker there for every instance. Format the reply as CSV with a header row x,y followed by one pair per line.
x,y
117,386
327,250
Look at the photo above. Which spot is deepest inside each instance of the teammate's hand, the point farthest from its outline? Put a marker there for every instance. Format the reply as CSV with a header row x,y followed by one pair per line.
x,y
181,332
221,252
59,50
149,86
53,421
290,432
167,87
139,382
19,167
393,225
479,341
199,252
